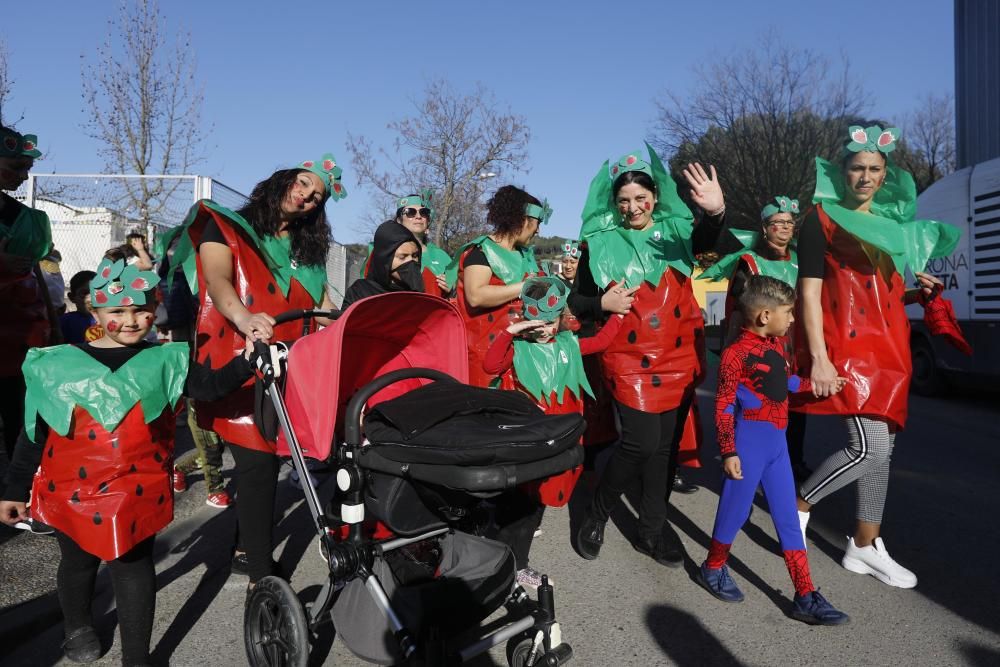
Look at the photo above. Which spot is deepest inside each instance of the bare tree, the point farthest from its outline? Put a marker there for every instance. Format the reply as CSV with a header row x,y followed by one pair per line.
x,y
6,87
928,147
143,104
761,117
447,144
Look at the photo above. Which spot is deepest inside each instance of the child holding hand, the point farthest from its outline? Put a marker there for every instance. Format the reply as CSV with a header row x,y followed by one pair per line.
x,y
751,413
99,429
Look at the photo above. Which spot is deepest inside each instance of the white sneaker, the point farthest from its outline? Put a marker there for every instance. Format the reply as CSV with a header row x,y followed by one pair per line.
x,y
803,522
876,561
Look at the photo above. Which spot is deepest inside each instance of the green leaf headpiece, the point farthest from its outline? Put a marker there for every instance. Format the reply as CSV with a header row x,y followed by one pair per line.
x,y
872,139
425,198
780,204
571,249
117,284
631,162
550,305
15,144
326,168
542,213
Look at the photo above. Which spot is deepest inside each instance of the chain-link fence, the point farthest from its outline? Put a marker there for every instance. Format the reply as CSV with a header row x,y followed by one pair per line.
x,y
91,213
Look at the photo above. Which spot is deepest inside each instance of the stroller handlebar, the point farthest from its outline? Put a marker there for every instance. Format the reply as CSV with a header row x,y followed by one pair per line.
x,y
298,314
352,418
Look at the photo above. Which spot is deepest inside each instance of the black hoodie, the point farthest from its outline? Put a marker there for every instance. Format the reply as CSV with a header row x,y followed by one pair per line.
x,y
388,237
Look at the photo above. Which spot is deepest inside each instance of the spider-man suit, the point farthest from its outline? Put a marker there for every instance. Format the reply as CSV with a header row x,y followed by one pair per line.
x,y
751,414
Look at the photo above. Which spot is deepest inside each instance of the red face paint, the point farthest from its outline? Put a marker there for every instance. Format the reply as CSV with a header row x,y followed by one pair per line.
x,y
112,325
147,318
648,206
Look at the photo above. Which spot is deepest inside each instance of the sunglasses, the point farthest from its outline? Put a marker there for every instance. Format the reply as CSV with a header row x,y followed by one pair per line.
x,y
423,212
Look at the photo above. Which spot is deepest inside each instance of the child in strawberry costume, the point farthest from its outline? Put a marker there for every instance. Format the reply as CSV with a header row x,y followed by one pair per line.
x,y
99,429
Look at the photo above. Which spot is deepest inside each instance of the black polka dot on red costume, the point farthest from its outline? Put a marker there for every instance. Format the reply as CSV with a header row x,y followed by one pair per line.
x,y
843,265
654,322
159,501
861,311
202,339
249,300
489,318
492,337
698,333
853,333
131,528
50,451
91,435
678,342
631,337
138,489
133,468
52,485
677,312
868,284
103,488
222,332
97,518
833,304
656,381
645,361
561,495
75,498
270,288
82,472
157,456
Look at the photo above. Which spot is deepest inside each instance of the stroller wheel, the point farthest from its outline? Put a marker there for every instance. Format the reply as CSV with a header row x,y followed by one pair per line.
x,y
518,650
274,626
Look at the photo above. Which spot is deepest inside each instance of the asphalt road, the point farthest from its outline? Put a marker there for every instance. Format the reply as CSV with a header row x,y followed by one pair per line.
x,y
623,609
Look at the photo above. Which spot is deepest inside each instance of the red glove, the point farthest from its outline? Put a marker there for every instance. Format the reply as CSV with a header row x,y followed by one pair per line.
x,y
939,316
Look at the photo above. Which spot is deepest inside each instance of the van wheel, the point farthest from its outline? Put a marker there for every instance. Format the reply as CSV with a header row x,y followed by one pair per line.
x,y
926,380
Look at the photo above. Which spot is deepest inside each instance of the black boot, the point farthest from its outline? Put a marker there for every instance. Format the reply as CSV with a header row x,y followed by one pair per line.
x,y
82,645
680,486
665,550
590,537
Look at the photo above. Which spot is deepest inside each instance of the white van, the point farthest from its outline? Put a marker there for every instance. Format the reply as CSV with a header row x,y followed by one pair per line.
x,y
970,200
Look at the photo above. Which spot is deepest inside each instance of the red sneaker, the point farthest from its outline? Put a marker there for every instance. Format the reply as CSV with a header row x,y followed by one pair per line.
x,y
180,481
218,499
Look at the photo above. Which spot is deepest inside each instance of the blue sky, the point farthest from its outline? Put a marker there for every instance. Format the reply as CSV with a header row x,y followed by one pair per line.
x,y
286,81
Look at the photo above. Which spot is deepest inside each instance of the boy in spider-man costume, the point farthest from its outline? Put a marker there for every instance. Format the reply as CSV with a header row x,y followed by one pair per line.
x,y
751,414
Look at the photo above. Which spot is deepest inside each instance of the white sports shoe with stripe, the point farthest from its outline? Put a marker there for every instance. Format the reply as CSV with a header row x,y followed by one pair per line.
x,y
876,561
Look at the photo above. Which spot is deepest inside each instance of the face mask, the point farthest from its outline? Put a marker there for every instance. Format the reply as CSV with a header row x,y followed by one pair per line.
x,y
410,277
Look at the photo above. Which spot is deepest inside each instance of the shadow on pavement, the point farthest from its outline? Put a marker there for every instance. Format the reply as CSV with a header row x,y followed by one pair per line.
x,y
684,640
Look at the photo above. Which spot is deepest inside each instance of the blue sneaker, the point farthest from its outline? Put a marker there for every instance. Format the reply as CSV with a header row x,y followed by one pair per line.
x,y
813,608
719,583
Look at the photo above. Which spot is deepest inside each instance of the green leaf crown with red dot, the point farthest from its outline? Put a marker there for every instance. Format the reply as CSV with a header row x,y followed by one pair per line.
x,y
550,305
326,168
119,284
15,144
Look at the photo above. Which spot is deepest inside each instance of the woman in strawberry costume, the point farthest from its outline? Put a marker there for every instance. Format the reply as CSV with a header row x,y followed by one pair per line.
x,y
490,270
640,236
854,248
25,239
247,266
99,429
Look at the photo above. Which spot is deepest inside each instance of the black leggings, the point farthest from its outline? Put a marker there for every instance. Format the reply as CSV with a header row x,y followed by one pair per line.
x,y
647,452
517,517
11,411
256,485
134,579
796,435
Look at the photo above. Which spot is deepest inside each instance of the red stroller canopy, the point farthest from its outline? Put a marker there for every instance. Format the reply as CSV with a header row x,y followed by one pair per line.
x,y
374,336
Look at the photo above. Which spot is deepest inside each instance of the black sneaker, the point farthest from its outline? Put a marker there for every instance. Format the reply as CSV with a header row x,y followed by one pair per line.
x,y
680,486
241,565
590,537
663,550
82,645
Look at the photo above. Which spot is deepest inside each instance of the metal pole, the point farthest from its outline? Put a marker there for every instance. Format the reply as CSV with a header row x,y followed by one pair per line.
x,y
30,200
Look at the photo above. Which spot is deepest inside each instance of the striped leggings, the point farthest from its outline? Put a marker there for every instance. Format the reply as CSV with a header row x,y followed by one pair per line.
x,y
865,460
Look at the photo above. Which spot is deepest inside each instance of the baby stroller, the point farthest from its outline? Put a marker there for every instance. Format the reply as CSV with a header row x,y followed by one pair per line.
x,y
409,580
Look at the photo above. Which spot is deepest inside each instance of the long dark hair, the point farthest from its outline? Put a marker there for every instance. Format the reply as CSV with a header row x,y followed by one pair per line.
x,y
505,210
310,234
